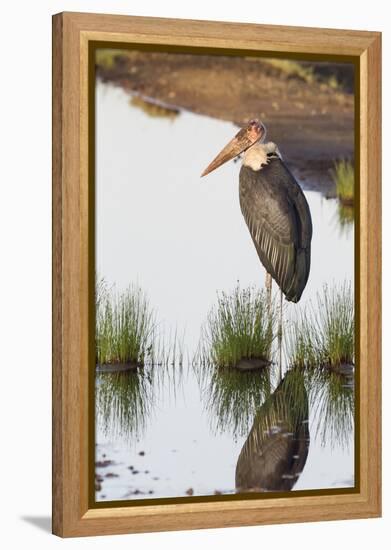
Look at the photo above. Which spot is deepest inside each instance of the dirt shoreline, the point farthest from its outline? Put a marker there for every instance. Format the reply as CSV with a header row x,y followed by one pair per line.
x,y
311,120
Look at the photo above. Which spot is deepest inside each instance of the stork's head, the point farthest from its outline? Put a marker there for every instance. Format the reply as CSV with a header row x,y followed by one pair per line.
x,y
250,134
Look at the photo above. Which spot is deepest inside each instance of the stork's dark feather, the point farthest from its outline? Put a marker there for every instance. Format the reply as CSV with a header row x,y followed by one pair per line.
x,y
279,220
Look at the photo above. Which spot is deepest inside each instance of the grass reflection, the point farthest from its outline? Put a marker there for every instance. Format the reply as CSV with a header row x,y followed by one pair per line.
x,y
343,175
345,215
332,400
233,397
124,401
154,108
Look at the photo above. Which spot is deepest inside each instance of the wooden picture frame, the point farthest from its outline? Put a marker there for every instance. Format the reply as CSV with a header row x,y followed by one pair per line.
x,y
73,34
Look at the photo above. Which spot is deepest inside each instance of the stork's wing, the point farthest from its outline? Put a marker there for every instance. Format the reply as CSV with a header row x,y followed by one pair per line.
x,y
279,221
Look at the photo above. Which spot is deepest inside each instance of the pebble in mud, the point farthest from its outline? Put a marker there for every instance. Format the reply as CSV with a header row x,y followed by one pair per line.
x,y
103,463
142,453
190,492
134,472
98,484
111,474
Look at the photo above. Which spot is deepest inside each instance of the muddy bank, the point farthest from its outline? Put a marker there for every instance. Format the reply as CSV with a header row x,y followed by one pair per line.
x,y
307,108
117,367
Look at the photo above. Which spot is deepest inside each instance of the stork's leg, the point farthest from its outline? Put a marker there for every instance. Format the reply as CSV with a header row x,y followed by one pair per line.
x,y
268,285
280,338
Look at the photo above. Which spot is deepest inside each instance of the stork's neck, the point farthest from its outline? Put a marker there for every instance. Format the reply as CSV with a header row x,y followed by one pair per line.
x,y
259,155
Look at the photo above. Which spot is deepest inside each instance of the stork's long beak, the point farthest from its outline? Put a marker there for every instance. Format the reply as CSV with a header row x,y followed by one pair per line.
x,y
245,138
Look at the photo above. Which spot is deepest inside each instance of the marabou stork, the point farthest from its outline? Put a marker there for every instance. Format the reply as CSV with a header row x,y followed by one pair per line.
x,y
274,207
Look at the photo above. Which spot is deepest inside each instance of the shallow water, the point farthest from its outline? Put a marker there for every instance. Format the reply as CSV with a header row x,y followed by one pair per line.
x,y
182,239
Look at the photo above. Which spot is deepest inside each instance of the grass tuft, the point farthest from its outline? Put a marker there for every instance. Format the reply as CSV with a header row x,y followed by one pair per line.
x,y
293,69
125,326
301,350
239,327
127,331
343,175
324,336
106,58
334,337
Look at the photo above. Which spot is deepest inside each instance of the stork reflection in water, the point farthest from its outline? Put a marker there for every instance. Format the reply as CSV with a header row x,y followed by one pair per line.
x,y
275,209
276,449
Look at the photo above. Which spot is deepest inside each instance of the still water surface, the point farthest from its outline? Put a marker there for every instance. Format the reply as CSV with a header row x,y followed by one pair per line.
x,y
183,238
